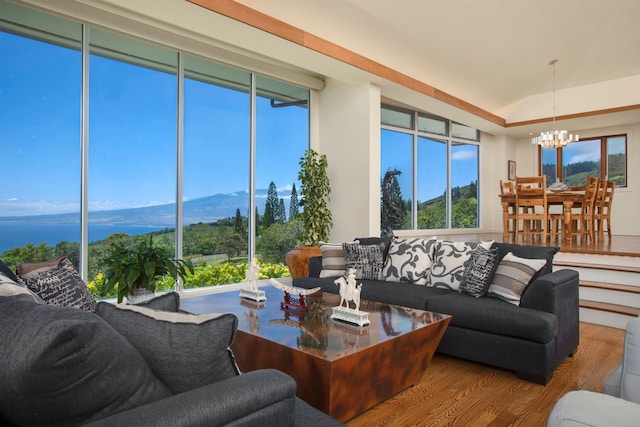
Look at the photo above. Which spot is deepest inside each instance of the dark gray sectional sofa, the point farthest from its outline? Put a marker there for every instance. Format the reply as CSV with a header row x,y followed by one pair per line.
x,y
532,338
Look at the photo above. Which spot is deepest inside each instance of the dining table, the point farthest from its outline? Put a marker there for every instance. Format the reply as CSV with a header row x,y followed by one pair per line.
x,y
568,199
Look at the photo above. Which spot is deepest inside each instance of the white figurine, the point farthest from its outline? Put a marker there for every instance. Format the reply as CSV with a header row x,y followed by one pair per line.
x,y
252,274
349,291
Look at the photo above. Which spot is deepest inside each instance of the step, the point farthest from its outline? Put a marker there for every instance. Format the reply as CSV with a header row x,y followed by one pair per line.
x,y
612,308
604,318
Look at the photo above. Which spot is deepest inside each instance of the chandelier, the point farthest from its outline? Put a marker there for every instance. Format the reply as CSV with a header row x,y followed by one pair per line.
x,y
554,138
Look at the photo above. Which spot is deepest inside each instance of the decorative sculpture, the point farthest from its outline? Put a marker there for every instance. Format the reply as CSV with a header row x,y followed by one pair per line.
x,y
250,290
290,302
350,291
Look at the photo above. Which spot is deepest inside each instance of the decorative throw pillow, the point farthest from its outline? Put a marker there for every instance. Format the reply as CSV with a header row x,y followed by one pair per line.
x,y
165,302
333,263
409,260
479,272
64,366
367,260
4,268
29,267
10,288
512,277
449,262
60,285
185,351
386,241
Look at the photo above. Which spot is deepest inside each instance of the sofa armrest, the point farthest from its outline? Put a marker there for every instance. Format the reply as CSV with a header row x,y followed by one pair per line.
x,y
315,266
552,292
586,408
257,398
557,293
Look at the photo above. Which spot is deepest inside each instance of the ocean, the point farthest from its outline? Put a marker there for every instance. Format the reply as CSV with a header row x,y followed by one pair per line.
x,y
16,235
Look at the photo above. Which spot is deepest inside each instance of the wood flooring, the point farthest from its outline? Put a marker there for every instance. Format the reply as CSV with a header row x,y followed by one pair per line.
x,y
455,392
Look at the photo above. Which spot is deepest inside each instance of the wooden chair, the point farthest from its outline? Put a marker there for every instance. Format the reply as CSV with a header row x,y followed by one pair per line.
x,y
509,219
583,216
531,207
602,207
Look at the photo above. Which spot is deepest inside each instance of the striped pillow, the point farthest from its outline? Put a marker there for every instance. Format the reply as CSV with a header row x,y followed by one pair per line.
x,y
512,277
333,263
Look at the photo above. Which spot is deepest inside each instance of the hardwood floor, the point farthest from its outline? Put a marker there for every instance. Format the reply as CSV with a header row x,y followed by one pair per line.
x,y
454,392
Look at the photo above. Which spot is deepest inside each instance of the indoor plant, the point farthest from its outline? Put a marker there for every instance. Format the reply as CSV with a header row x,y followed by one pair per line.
x,y
316,216
137,269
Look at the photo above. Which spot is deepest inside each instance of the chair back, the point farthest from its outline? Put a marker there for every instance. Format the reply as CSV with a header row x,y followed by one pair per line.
x,y
531,191
606,196
590,191
506,188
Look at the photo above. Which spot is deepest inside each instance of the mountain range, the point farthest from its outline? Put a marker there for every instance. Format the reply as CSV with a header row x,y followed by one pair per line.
x,y
203,209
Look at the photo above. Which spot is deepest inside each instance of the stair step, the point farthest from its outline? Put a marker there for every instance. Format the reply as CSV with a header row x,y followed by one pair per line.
x,y
608,267
611,286
613,308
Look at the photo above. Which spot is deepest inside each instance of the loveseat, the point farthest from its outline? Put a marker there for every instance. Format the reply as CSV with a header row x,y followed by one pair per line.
x,y
511,311
124,365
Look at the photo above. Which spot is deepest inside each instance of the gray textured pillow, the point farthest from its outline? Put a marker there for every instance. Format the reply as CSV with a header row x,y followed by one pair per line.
x,y
64,366
10,288
449,262
165,302
367,260
59,285
185,351
479,272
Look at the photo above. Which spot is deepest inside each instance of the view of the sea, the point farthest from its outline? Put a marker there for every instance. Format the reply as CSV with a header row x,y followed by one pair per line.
x,y
12,235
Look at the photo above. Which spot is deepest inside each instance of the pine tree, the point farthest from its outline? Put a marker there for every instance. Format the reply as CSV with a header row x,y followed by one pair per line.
x,y
294,206
238,222
271,207
393,207
281,213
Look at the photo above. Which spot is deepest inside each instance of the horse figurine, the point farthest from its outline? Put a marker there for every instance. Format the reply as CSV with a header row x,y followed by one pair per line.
x,y
349,291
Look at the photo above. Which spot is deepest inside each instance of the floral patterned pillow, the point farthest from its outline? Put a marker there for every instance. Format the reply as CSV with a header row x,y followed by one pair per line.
x,y
409,260
449,262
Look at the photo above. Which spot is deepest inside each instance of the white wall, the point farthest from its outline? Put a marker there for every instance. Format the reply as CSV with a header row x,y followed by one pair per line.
x,y
349,134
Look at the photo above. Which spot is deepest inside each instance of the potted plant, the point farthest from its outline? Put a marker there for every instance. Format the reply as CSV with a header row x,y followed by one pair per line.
x,y
316,216
135,270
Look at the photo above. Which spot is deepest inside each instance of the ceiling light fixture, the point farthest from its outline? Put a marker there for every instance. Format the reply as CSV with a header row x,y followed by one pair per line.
x,y
554,138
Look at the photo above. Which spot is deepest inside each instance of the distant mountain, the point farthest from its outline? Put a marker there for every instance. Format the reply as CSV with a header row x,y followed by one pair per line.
x,y
204,209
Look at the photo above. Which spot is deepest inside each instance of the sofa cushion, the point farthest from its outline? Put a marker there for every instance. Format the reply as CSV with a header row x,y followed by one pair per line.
x,y
512,277
386,241
367,260
169,301
333,262
449,262
409,260
533,252
28,267
58,284
10,288
495,316
185,351
479,272
65,366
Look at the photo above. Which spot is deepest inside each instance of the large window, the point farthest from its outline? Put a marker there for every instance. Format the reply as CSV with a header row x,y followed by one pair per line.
x,y
429,172
177,147
600,157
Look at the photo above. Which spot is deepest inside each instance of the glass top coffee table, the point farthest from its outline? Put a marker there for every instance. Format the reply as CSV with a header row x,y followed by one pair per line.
x,y
341,369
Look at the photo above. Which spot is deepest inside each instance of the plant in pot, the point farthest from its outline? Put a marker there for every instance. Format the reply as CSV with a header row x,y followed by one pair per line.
x,y
316,216
134,271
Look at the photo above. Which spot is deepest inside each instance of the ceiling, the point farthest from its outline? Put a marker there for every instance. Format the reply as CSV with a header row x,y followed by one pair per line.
x,y
490,53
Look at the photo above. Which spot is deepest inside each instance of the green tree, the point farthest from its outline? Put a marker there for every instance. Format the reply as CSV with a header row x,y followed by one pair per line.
x,y
271,206
278,239
238,223
294,205
281,213
231,243
392,206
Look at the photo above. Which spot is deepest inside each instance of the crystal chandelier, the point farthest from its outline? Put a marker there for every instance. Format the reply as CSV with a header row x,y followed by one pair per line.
x,y
554,138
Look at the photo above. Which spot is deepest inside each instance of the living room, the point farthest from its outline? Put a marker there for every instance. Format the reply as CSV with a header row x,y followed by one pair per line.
x,y
358,73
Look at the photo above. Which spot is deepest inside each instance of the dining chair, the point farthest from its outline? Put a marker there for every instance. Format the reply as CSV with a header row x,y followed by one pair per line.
x,y
531,207
509,219
602,207
583,216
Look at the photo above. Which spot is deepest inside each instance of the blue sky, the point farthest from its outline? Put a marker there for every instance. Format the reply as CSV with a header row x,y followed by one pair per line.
x,y
132,123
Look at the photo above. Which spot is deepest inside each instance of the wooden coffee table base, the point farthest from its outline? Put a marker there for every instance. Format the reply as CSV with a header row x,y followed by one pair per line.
x,y
350,385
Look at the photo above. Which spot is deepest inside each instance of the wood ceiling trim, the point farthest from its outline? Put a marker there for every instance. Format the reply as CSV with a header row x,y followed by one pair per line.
x,y
261,21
